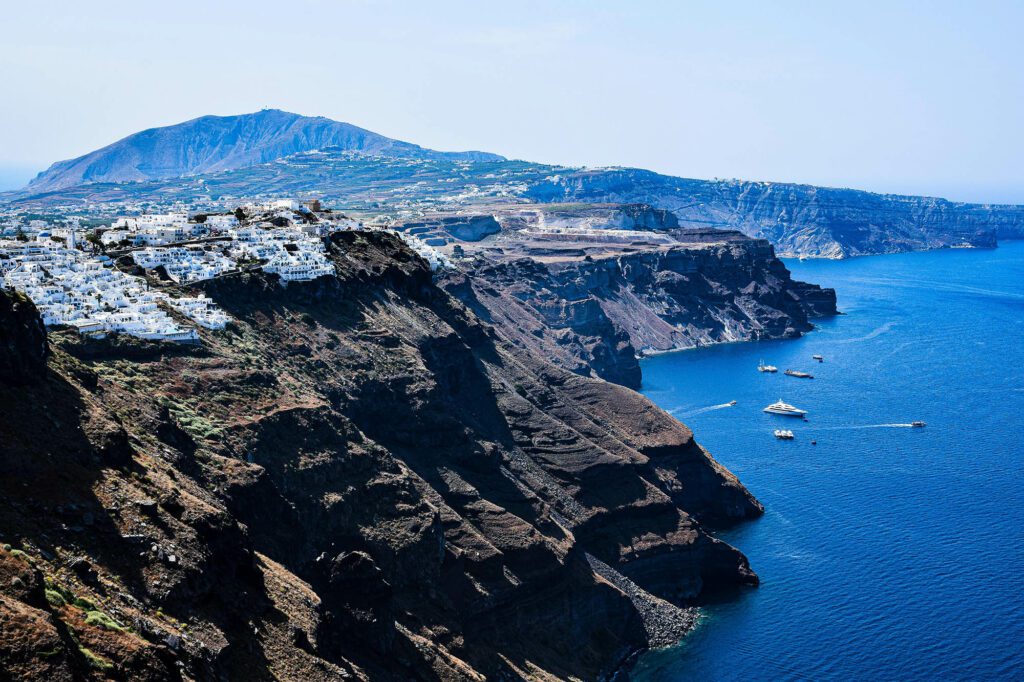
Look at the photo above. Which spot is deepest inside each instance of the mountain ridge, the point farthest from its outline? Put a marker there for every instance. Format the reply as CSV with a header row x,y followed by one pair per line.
x,y
275,153
215,143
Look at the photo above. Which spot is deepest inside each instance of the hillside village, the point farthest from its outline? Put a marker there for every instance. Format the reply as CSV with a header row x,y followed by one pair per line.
x,y
85,276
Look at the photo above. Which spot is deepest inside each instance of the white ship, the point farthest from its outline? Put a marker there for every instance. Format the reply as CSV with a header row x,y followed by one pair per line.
x,y
783,434
766,368
785,409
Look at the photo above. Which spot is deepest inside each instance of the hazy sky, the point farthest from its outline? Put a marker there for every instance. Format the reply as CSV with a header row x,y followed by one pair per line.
x,y
917,97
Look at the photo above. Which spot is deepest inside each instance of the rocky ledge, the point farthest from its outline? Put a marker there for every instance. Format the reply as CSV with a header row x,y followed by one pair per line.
x,y
357,479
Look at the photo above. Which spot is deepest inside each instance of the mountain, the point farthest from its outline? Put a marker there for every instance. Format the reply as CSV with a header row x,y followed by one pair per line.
x,y
216,143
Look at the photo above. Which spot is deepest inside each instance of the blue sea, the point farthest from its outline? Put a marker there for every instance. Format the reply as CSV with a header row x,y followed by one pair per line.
x,y
886,552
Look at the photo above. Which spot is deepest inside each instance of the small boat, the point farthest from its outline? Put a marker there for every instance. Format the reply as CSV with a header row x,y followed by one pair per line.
x,y
819,358
783,434
917,425
798,375
784,409
767,368
731,403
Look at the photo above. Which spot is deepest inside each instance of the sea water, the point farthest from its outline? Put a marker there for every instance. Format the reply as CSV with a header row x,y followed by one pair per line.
x,y
886,552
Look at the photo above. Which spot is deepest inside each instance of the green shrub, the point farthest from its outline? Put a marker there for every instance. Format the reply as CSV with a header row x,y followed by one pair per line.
x,y
95,660
66,595
100,619
55,598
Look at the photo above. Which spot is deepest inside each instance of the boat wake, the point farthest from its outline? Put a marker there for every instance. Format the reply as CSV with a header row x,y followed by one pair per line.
x,y
872,334
866,426
692,413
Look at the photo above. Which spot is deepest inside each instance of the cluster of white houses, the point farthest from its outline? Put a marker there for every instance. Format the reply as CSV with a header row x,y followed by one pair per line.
x,y
72,288
436,259
184,264
157,229
292,253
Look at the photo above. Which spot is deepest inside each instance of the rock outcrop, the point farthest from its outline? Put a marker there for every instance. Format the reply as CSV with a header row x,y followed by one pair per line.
x,y
357,479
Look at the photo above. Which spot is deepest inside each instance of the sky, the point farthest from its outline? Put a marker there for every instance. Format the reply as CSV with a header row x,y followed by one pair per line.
x,y
911,97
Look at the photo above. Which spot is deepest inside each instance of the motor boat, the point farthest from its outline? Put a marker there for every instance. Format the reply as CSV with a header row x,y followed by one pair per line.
x,y
798,375
917,424
783,434
785,409
767,368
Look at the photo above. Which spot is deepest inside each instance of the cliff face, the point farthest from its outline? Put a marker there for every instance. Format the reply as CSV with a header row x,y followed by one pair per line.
x,y
23,346
798,219
608,217
356,479
595,315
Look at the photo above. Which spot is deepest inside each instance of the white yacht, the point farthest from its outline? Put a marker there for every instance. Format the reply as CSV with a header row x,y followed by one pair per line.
x,y
785,409
783,434
766,368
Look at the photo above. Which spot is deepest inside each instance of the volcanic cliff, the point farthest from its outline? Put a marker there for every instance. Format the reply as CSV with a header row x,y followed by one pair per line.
x,y
594,306
798,219
356,479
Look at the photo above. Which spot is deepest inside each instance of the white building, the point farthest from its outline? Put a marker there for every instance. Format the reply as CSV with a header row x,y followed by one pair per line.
x,y
221,223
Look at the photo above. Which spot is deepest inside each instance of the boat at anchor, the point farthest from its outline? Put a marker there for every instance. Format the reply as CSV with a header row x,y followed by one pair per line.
x,y
784,409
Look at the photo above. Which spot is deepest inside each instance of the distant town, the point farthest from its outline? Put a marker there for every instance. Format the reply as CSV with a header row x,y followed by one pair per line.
x,y
94,271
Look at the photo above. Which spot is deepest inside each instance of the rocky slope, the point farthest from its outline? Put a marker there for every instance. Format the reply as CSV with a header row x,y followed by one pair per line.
x,y
593,306
797,219
217,143
356,479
